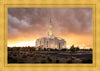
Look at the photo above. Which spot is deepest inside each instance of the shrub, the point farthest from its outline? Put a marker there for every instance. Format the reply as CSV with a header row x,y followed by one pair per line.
x,y
11,60
49,59
24,56
57,61
45,49
9,54
43,56
87,61
31,55
36,62
43,61
69,61
20,61
14,55
64,49
34,58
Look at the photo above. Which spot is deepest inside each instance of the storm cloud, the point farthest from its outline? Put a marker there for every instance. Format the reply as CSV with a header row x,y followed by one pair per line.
x,y
35,21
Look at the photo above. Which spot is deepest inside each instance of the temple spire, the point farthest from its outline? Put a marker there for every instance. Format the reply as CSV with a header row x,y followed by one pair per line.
x,y
50,32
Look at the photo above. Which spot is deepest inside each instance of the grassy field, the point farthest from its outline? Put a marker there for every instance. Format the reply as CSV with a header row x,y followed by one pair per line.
x,y
49,57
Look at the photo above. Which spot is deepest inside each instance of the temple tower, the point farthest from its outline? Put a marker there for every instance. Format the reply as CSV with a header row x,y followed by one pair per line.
x,y
50,31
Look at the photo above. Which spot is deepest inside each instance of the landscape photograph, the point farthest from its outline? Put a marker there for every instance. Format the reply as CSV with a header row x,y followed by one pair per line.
x,y
50,35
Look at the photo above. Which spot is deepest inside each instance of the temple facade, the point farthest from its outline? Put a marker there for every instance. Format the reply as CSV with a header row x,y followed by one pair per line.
x,y
51,41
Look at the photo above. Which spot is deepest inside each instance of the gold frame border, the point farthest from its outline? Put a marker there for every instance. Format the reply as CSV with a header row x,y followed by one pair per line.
x,y
50,65
28,67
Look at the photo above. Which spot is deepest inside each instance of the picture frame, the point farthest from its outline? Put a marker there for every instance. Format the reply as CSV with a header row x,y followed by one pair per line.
x,y
5,4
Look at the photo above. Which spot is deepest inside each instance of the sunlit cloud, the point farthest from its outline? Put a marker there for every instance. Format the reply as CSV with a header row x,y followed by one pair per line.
x,y
23,44
28,24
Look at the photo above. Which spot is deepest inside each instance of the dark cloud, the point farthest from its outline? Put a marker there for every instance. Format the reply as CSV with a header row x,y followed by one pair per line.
x,y
30,21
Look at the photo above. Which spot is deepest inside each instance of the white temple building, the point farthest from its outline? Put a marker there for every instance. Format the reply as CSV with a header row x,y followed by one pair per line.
x,y
51,41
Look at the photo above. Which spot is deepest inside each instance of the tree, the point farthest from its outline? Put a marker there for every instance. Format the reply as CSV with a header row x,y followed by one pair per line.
x,y
77,48
45,49
39,49
64,49
48,49
56,49
90,49
72,50
32,49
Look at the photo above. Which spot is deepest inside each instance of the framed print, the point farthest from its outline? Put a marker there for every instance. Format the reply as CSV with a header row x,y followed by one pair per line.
x,y
51,35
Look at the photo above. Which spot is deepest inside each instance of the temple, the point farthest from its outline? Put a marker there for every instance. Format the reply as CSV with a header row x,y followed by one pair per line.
x,y
51,41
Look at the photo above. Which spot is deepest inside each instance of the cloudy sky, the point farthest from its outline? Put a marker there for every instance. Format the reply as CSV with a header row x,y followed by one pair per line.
x,y
74,25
